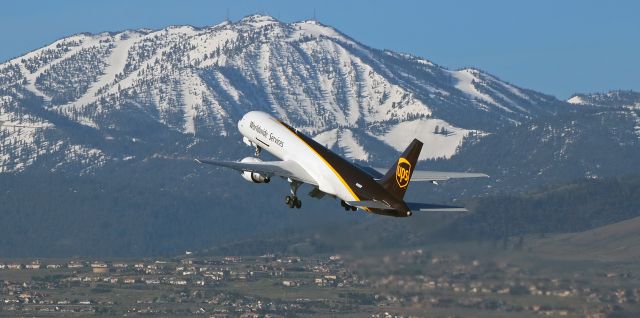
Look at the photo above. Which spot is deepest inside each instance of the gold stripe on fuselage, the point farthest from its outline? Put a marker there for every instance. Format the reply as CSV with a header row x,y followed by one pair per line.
x,y
326,163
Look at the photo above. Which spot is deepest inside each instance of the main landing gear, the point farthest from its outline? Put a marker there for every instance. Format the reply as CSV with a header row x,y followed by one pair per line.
x,y
347,207
292,201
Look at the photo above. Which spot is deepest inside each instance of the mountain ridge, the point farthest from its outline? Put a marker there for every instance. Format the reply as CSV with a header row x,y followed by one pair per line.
x,y
200,80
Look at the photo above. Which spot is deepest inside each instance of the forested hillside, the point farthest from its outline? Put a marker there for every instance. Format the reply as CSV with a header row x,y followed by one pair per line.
x,y
571,207
502,219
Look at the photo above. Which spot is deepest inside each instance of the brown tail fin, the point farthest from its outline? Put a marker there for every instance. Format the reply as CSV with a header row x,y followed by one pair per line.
x,y
396,181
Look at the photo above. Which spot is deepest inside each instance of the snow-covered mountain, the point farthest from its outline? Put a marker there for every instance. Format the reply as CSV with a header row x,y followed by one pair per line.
x,y
89,99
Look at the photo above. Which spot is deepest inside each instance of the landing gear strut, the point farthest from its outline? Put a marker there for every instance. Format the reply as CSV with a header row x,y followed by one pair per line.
x,y
347,207
258,148
292,201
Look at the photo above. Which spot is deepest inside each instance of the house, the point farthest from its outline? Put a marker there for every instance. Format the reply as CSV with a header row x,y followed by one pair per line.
x,y
129,280
99,267
74,264
14,266
153,266
232,259
152,281
113,280
180,282
215,275
33,265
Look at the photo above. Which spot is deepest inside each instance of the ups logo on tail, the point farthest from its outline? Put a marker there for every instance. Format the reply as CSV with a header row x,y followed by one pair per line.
x,y
403,172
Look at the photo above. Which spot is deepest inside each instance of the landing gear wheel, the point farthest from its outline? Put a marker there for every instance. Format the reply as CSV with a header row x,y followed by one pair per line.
x,y
292,201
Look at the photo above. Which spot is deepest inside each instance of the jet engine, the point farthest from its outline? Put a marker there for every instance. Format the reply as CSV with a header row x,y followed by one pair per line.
x,y
251,176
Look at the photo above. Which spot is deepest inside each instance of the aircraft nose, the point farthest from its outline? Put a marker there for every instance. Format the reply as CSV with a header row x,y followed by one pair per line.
x,y
241,121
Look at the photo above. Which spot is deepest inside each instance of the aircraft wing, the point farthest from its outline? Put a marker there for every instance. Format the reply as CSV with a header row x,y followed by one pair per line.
x,y
286,169
427,207
425,175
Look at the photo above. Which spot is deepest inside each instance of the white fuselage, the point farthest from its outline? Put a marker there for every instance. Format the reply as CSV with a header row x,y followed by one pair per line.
x,y
270,134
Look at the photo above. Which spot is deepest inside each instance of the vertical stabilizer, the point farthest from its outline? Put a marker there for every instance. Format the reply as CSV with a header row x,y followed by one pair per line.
x,y
396,181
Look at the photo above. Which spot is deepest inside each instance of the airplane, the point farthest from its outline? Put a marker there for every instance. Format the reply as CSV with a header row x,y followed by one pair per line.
x,y
303,160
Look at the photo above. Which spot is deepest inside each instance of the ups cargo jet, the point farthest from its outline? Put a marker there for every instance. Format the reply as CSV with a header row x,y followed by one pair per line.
x,y
303,160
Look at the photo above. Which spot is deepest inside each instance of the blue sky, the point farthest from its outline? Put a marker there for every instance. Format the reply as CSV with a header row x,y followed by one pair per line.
x,y
556,47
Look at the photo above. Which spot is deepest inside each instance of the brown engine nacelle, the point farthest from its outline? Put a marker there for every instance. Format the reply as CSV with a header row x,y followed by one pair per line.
x,y
251,176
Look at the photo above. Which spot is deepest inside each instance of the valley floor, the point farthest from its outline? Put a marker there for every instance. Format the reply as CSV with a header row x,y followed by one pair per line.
x,y
473,279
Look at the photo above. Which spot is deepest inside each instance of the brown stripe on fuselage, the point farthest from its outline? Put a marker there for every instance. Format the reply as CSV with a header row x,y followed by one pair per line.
x,y
351,174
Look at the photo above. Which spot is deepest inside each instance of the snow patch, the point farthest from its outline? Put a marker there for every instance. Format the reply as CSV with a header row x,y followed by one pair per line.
x,y
436,145
465,84
576,100
327,138
315,29
351,147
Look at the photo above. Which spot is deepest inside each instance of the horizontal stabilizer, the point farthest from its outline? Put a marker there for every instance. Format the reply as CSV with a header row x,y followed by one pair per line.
x,y
370,205
427,207
425,175
422,175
